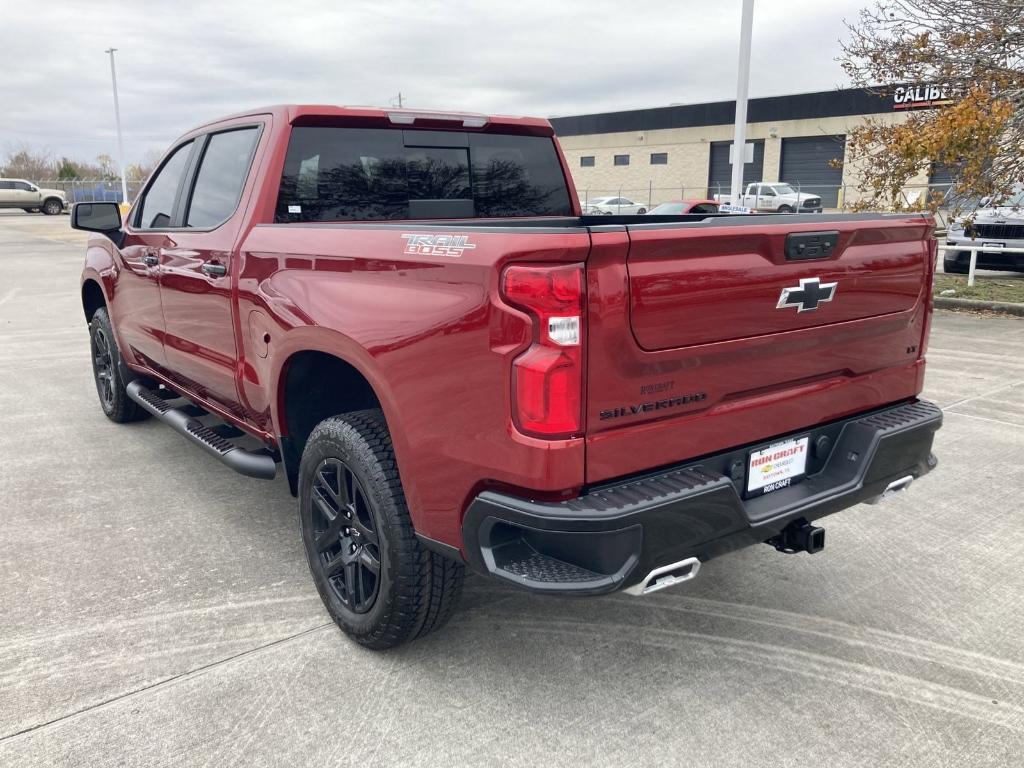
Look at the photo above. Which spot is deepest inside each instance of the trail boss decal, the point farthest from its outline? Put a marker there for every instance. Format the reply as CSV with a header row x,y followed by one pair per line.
x,y
437,245
657,405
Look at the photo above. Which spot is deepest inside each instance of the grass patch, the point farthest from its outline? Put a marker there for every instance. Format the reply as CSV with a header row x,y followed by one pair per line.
x,y
985,288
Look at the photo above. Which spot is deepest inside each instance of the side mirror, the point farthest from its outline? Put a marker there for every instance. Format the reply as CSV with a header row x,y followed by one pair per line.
x,y
984,202
104,218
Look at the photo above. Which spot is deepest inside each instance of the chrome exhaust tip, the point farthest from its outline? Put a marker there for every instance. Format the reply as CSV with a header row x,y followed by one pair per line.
x,y
666,576
894,487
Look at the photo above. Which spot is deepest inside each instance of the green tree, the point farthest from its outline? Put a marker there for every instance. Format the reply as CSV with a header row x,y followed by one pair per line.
x,y
66,170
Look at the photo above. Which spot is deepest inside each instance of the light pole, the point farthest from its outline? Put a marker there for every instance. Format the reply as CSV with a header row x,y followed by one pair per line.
x,y
739,154
117,120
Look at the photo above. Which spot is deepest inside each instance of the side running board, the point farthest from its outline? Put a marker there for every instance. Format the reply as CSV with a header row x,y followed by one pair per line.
x,y
245,462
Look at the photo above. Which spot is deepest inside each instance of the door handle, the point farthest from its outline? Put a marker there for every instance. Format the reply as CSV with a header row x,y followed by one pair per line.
x,y
214,269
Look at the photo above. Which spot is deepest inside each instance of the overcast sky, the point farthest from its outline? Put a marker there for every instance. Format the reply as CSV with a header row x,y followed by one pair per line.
x,y
182,63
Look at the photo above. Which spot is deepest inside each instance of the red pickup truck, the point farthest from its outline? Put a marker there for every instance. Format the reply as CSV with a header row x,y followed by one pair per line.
x,y
453,366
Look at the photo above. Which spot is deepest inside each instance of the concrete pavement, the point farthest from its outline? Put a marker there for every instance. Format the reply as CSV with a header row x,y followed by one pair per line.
x,y
155,608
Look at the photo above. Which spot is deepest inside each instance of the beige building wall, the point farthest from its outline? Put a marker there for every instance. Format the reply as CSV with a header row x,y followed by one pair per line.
x,y
689,157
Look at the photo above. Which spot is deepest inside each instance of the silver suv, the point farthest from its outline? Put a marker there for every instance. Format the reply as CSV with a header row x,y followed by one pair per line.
x,y
18,193
994,226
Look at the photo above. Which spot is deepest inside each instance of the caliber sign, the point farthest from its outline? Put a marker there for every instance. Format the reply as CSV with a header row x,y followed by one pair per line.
x,y
921,96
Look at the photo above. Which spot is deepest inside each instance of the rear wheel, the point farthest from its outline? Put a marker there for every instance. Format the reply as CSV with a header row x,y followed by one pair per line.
x,y
375,579
52,207
641,212
107,371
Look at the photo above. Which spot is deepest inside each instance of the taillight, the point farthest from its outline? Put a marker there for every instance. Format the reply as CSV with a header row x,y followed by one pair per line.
x,y
547,379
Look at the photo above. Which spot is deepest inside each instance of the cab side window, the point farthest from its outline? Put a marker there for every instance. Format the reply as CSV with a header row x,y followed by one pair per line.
x,y
23,186
157,208
222,174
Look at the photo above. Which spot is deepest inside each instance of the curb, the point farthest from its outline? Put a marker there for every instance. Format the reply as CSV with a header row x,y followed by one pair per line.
x,y
1006,307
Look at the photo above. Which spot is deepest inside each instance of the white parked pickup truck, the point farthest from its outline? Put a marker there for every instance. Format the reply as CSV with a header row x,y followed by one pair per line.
x,y
774,197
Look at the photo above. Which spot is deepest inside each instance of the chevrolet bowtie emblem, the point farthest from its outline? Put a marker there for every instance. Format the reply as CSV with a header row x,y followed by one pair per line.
x,y
807,296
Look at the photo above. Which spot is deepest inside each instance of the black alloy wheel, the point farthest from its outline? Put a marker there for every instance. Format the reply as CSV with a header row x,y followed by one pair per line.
x,y
345,535
103,367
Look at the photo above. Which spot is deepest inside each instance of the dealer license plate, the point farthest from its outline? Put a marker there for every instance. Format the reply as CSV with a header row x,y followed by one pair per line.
x,y
777,466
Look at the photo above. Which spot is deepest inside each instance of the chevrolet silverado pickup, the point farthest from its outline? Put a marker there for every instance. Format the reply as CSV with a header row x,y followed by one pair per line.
x,y
408,314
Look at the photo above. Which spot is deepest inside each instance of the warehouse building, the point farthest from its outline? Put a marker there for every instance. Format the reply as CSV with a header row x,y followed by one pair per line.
x,y
683,151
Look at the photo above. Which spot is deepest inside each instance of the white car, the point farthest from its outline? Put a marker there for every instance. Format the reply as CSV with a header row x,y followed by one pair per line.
x,y
18,193
610,206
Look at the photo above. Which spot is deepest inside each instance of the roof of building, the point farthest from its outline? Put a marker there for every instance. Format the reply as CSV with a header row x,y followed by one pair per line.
x,y
837,103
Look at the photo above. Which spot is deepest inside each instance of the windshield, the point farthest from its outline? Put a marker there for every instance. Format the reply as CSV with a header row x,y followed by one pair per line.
x,y
784,189
668,208
1015,198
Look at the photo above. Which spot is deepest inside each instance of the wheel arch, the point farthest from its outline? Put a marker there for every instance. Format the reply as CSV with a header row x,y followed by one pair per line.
x,y
313,385
93,298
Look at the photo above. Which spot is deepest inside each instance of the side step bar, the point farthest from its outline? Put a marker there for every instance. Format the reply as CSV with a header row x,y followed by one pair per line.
x,y
249,463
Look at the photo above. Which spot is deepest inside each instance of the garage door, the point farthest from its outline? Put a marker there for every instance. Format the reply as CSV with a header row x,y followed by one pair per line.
x,y
807,163
720,174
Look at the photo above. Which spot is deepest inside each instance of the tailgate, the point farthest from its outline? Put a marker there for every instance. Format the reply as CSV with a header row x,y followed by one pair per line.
x,y
709,335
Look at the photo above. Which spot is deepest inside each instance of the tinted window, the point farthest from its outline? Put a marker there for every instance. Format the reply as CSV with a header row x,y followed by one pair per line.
x,y
158,204
659,158
587,161
24,186
221,176
6,185
668,208
622,159
343,174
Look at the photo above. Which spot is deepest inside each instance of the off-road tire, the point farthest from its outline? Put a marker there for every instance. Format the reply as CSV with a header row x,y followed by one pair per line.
x,y
953,267
53,207
416,589
108,372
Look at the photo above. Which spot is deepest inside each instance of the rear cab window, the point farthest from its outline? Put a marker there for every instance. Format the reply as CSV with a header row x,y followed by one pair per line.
x,y
379,174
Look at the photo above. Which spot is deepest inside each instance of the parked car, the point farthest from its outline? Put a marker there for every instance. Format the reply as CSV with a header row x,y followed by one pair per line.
x,y
614,206
995,226
567,407
676,207
18,193
774,197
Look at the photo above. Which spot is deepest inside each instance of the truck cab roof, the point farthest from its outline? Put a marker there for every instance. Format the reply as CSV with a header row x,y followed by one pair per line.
x,y
311,114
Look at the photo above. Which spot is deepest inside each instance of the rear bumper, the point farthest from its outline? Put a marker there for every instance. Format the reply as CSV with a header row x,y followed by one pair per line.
x,y
612,536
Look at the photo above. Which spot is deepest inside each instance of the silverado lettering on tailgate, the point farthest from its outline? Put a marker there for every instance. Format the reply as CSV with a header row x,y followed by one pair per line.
x,y
657,405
